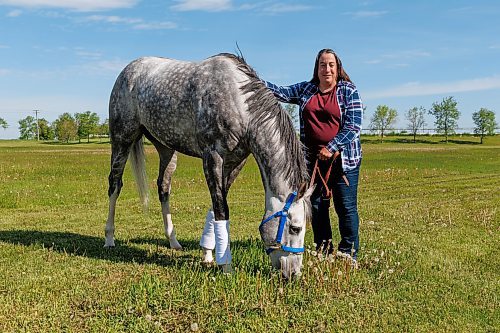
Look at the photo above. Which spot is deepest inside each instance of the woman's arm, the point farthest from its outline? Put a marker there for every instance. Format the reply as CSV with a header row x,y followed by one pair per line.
x,y
351,127
286,94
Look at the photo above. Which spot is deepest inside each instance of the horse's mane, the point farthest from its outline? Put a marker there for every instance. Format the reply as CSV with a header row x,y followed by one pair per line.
x,y
269,118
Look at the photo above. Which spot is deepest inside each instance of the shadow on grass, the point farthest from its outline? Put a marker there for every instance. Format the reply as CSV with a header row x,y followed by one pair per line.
x,y
464,142
406,140
74,143
90,247
158,253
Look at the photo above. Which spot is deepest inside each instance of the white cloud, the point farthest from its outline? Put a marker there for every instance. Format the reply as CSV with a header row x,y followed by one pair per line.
x,y
115,65
4,71
136,23
88,54
204,5
155,26
113,19
399,59
408,54
285,8
14,13
425,89
79,5
365,13
4,46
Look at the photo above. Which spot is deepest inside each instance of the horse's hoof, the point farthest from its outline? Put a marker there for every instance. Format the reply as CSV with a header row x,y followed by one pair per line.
x,y
109,245
174,245
226,269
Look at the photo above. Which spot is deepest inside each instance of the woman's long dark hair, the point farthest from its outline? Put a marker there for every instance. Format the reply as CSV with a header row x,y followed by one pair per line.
x,y
341,74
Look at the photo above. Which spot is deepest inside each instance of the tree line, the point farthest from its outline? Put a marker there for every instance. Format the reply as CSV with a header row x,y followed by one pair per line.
x,y
446,122
65,128
84,125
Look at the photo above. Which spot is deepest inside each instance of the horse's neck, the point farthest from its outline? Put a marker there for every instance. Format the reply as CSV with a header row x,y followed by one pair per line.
x,y
276,187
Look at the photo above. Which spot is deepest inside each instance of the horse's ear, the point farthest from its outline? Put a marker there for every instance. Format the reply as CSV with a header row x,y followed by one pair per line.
x,y
304,191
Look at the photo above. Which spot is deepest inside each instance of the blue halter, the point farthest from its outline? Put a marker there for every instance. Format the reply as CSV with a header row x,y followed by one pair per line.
x,y
282,214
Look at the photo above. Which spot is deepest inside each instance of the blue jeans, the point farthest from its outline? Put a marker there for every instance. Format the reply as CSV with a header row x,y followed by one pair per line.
x,y
345,202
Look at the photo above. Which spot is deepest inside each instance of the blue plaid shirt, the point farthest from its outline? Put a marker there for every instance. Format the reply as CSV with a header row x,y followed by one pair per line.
x,y
351,113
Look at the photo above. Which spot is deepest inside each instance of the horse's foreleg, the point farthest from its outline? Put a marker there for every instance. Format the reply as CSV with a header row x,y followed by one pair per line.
x,y
119,157
213,168
168,163
207,241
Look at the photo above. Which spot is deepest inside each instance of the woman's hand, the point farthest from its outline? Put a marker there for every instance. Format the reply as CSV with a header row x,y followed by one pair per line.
x,y
324,154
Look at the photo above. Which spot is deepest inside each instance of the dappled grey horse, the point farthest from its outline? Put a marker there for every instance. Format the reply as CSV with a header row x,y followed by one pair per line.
x,y
220,111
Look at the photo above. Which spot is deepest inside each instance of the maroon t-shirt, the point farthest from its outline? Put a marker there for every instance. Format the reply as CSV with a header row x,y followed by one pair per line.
x,y
321,117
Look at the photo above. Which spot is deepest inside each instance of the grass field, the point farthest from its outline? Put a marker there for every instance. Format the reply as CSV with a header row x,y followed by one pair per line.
x,y
430,239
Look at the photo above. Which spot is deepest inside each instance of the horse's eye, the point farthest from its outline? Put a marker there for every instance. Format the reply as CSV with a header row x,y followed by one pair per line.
x,y
295,230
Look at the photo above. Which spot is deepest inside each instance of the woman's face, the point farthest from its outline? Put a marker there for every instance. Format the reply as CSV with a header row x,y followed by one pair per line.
x,y
327,70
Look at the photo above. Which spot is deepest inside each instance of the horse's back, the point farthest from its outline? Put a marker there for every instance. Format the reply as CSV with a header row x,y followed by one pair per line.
x,y
184,105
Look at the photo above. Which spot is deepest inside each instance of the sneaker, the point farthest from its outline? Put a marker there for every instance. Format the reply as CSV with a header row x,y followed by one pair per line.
x,y
347,257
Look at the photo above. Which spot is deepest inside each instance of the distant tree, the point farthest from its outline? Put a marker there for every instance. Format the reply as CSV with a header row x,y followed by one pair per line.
x,y
103,129
66,128
484,120
383,119
293,112
87,123
3,123
46,130
27,128
415,117
447,115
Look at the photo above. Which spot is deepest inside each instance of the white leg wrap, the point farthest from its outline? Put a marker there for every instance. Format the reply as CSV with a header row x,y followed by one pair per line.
x,y
207,240
222,250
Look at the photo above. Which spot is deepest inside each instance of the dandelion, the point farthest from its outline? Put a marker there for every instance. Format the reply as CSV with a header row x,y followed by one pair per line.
x,y
339,273
314,253
309,263
149,317
376,259
391,271
194,327
280,291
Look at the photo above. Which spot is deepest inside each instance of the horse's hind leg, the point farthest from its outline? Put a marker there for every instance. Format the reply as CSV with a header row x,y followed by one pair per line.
x,y
168,163
119,155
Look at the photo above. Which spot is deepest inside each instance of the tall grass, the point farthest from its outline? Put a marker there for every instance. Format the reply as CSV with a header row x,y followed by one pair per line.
x,y
429,248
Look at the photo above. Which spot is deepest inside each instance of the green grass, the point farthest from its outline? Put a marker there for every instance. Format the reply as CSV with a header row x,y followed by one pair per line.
x,y
429,247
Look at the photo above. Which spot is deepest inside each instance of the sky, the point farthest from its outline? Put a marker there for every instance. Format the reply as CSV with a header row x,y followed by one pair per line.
x,y
61,56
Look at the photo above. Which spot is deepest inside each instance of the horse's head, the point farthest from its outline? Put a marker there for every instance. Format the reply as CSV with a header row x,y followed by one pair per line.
x,y
283,232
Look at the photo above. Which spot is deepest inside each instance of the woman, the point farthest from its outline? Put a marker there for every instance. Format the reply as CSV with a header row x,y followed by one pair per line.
x,y
330,124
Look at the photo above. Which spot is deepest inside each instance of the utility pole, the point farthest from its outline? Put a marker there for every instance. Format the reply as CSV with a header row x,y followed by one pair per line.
x,y
37,127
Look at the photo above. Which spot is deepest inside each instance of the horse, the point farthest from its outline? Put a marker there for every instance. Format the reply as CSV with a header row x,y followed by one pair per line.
x,y
220,111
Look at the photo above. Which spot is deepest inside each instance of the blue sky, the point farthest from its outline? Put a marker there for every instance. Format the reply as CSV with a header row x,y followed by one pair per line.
x,y
64,55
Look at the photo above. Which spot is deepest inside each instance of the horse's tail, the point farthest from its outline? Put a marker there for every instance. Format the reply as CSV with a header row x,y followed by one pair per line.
x,y
138,164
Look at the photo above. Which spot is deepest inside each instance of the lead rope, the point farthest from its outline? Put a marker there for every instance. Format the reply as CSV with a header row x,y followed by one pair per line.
x,y
324,180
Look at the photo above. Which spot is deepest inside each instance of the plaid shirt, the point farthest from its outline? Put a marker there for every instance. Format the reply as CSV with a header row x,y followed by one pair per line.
x,y
351,113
